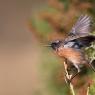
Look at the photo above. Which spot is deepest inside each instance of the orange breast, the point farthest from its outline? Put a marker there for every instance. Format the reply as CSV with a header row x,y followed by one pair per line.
x,y
71,54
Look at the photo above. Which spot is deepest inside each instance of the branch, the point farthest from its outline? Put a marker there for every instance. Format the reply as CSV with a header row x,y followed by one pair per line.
x,y
68,77
88,88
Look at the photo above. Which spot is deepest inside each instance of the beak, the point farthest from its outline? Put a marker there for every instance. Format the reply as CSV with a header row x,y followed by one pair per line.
x,y
47,45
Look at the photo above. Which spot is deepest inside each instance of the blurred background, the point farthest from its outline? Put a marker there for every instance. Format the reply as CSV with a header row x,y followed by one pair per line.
x,y
19,51
26,67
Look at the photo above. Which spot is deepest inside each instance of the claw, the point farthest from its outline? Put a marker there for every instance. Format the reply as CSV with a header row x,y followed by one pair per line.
x,y
68,81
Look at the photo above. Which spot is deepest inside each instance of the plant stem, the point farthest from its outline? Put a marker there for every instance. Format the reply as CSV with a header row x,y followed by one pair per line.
x,y
69,77
88,90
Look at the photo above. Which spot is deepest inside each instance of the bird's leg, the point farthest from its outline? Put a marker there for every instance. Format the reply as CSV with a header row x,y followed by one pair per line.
x,y
78,68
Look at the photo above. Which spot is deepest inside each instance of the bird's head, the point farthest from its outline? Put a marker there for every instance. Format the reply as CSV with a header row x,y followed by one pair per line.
x,y
55,44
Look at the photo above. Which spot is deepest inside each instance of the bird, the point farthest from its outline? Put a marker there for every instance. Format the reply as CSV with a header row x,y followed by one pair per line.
x,y
72,47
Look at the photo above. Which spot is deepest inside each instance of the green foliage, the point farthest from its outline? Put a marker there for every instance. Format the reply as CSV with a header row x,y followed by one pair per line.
x,y
42,27
91,50
49,71
92,90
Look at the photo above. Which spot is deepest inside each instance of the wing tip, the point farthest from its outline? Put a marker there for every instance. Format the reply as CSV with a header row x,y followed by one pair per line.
x,y
85,17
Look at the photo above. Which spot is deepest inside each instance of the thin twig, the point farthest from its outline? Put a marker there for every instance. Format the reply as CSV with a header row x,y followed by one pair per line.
x,y
69,77
88,88
72,89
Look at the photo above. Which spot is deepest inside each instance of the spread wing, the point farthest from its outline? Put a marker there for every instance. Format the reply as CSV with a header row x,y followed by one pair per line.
x,y
79,35
81,28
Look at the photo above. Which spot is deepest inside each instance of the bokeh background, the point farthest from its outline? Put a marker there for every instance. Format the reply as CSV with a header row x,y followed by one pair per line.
x,y
28,68
19,51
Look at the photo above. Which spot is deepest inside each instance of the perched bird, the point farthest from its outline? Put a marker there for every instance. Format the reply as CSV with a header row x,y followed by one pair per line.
x,y
78,38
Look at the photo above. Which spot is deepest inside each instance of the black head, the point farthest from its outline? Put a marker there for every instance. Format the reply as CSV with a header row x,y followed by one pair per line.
x,y
56,44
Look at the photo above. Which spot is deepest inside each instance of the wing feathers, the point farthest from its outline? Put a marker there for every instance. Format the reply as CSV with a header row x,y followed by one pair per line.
x,y
82,26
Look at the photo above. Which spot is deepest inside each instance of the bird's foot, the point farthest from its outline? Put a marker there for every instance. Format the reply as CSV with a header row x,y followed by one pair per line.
x,y
68,81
